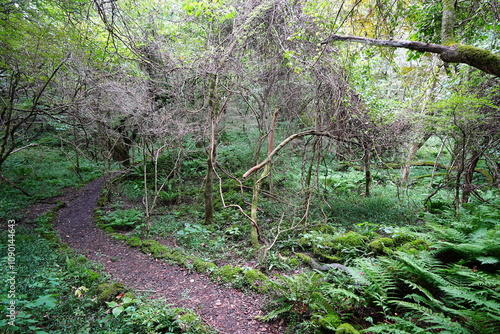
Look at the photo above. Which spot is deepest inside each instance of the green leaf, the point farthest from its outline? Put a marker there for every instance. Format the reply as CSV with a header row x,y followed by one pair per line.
x,y
118,310
488,259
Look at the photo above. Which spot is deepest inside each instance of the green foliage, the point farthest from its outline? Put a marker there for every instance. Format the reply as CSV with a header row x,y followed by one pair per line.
x,y
471,240
41,171
58,292
193,235
122,219
383,208
308,298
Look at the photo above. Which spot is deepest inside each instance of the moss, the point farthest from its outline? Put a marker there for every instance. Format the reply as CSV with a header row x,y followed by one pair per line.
x,y
154,248
381,245
349,240
326,254
190,322
304,258
119,236
81,259
147,244
479,56
346,329
92,276
160,251
178,258
134,242
256,280
294,262
228,273
188,317
108,291
414,246
202,266
403,238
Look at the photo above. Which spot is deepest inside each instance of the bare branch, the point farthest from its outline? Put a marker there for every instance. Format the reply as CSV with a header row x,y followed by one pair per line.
x,y
283,144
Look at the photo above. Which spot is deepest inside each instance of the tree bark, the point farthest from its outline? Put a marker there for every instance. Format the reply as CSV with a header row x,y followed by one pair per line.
x,y
448,22
481,59
468,187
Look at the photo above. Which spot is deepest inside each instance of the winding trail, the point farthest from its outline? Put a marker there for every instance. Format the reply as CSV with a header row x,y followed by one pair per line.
x,y
225,309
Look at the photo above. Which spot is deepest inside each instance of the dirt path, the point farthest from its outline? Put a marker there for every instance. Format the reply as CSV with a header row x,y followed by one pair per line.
x,y
225,309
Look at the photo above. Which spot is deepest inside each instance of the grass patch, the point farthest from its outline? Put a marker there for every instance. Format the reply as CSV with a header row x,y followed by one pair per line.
x,y
41,171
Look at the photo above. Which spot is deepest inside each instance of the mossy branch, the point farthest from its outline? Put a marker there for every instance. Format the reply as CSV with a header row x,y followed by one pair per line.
x,y
481,59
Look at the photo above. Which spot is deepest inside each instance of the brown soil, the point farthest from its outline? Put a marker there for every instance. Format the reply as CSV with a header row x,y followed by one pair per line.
x,y
225,309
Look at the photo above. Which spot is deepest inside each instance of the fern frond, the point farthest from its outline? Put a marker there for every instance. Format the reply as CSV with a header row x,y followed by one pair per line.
x,y
472,298
449,234
430,300
443,324
423,265
433,320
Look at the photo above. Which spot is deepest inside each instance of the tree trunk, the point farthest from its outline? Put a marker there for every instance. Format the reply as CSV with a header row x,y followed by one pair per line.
x,y
411,154
468,187
255,229
208,193
368,172
209,180
448,22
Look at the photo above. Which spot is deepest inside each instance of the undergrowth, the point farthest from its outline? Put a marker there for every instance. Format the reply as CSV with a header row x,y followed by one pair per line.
x,y
57,291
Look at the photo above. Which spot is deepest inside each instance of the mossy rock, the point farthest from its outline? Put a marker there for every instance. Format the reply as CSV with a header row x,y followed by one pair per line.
x,y
148,244
177,257
256,280
304,258
328,255
160,251
403,238
414,246
119,236
381,245
190,322
294,262
228,273
108,291
203,267
134,242
346,329
350,240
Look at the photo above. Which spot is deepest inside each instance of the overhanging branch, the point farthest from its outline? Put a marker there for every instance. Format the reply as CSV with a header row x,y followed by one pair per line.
x,y
481,59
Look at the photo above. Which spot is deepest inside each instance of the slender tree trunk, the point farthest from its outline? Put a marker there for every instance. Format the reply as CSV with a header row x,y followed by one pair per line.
x,y
368,172
448,22
255,234
468,187
415,146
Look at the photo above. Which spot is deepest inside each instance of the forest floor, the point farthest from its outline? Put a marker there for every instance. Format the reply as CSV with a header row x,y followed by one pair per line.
x,y
223,308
